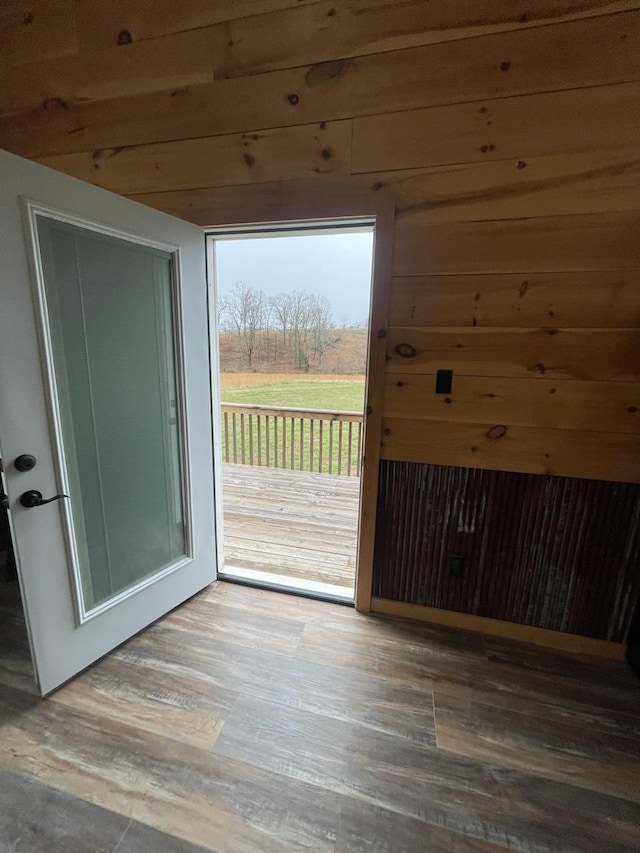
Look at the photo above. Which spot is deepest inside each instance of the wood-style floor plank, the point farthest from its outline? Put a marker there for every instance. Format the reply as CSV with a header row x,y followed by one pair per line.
x,y
455,663
140,838
252,721
269,633
373,702
37,819
185,709
182,790
364,828
459,793
575,754
363,764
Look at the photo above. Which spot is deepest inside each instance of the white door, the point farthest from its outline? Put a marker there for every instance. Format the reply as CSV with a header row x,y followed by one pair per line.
x,y
104,379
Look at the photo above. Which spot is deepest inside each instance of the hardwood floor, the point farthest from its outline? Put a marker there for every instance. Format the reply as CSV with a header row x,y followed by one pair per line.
x,y
294,523
249,721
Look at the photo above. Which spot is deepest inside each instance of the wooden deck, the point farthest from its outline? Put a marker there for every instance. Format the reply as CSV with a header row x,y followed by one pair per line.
x,y
294,523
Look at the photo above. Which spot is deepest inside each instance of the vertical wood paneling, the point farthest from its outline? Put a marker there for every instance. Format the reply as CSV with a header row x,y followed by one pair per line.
x,y
553,552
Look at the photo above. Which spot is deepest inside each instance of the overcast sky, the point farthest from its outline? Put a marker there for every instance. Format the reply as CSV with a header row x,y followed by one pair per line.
x,y
337,265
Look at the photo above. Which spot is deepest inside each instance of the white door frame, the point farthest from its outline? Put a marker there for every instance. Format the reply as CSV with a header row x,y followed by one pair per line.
x,y
292,228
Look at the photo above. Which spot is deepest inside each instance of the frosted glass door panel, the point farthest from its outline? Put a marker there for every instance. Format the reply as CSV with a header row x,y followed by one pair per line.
x,y
110,315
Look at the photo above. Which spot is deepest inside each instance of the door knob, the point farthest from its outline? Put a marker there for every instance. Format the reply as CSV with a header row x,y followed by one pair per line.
x,y
34,498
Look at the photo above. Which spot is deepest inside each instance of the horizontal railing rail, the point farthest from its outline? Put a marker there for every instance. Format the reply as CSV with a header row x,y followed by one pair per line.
x,y
318,440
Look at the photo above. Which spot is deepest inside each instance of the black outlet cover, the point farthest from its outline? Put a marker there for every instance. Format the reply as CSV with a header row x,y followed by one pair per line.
x,y
444,381
456,565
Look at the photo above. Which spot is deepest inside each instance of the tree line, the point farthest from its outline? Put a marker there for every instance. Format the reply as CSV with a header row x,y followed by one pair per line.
x,y
298,325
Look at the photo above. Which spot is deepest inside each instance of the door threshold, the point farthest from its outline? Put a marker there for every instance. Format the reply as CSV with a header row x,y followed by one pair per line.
x,y
292,586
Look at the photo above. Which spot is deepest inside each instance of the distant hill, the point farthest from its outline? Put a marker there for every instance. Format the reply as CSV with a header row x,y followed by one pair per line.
x,y
346,353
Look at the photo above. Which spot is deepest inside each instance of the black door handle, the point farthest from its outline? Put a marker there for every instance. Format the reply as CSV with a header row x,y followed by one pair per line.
x,y
34,498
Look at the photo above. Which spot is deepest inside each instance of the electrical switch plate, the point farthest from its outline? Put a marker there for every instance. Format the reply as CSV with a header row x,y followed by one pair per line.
x,y
444,381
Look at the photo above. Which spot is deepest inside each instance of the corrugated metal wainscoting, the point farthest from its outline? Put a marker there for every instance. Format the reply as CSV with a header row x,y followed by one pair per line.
x,y
554,552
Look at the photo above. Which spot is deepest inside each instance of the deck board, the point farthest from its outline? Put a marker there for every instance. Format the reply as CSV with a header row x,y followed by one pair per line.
x,y
295,523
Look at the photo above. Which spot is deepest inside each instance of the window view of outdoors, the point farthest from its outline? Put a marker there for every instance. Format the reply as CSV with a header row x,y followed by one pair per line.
x,y
293,315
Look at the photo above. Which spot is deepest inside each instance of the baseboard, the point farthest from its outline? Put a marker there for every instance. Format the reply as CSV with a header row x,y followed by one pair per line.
x,y
497,628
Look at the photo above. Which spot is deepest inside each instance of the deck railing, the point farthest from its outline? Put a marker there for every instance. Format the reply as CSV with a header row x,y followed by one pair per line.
x,y
317,440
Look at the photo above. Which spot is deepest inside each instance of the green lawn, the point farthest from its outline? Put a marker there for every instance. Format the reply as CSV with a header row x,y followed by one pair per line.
x,y
294,443
339,396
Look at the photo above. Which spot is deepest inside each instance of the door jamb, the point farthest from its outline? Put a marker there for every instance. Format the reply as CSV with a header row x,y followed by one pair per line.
x,y
214,370
380,208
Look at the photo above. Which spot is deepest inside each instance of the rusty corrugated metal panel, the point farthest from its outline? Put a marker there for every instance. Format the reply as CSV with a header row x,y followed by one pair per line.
x,y
554,552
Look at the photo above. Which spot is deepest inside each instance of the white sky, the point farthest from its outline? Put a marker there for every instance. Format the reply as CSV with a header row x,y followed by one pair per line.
x,y
336,265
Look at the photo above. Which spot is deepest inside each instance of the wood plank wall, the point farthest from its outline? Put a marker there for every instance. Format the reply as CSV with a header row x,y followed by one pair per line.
x,y
506,134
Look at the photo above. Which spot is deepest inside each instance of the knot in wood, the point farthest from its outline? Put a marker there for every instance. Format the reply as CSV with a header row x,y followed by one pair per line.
x,y
497,432
325,72
405,350
124,37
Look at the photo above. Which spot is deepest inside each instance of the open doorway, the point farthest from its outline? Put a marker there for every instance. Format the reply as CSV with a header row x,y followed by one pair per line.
x,y
292,314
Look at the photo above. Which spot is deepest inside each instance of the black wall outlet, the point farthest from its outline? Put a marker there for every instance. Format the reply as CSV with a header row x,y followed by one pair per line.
x,y
456,565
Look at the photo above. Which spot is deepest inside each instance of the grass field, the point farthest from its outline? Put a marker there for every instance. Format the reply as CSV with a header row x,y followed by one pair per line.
x,y
337,395
293,443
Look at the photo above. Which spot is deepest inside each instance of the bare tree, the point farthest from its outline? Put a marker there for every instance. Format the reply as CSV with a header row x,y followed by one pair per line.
x,y
281,304
243,312
267,325
300,308
321,326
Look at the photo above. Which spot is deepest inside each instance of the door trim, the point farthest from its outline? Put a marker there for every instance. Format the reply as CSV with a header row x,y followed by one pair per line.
x,y
214,378
349,207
